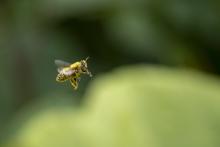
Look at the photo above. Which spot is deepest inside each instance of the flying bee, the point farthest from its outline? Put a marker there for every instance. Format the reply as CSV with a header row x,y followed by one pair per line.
x,y
72,72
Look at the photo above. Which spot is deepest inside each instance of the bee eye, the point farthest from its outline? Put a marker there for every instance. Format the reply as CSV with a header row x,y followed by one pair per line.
x,y
84,69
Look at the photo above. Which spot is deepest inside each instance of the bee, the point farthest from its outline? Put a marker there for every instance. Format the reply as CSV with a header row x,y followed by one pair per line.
x,y
72,72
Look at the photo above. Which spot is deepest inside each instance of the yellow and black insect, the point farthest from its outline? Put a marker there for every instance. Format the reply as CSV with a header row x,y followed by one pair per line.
x,y
72,72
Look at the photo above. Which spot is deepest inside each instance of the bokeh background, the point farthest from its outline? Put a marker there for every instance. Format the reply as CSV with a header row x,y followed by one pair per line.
x,y
176,34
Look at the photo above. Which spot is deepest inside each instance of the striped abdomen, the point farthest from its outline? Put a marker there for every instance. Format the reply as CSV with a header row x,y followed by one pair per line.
x,y
61,77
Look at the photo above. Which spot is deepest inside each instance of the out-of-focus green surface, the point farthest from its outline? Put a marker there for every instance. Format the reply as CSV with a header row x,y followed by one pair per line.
x,y
134,106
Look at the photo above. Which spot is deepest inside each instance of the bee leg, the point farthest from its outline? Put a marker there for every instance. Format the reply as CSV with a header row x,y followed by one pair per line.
x,y
74,83
89,73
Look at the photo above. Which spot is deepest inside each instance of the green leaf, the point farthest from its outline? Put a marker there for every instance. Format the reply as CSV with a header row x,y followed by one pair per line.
x,y
135,106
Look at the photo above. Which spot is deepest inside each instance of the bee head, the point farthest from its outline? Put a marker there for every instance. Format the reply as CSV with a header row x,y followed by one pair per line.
x,y
84,66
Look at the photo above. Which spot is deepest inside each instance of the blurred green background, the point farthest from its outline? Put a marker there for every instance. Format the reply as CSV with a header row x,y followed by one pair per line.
x,y
125,36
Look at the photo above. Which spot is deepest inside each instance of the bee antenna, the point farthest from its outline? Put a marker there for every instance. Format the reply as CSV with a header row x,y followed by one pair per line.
x,y
87,58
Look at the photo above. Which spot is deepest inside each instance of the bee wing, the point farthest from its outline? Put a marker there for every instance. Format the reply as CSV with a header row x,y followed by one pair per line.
x,y
59,69
61,63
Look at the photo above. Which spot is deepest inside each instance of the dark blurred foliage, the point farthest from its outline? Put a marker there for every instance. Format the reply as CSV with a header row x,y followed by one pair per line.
x,y
178,33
